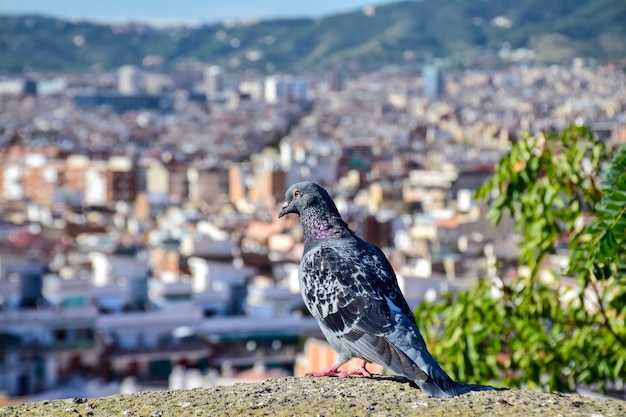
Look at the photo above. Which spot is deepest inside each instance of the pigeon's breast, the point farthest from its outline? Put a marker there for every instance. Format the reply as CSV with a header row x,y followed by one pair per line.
x,y
321,283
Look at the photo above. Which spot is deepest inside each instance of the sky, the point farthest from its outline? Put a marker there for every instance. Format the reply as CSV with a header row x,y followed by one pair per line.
x,y
181,11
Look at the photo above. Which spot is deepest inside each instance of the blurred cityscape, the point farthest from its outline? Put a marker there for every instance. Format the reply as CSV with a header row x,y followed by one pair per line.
x,y
139,241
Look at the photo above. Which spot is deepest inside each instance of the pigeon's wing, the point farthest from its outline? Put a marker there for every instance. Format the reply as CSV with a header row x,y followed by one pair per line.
x,y
352,291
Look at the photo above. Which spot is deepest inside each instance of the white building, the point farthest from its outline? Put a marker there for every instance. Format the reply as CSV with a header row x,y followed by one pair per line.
x,y
130,80
279,88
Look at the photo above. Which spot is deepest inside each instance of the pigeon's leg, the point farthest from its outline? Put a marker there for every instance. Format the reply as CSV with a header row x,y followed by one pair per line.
x,y
333,370
361,370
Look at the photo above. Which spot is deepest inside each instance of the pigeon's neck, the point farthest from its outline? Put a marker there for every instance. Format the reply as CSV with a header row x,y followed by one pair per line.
x,y
320,225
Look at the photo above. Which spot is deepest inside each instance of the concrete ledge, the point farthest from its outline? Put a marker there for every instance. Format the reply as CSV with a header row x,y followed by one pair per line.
x,y
330,397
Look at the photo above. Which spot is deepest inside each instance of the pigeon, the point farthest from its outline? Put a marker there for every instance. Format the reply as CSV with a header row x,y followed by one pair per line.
x,y
350,288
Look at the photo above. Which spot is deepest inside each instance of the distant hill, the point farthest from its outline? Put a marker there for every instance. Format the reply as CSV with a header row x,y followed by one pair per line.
x,y
392,33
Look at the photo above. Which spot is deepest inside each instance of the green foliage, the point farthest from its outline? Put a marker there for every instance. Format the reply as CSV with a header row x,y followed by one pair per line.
x,y
549,329
598,249
543,183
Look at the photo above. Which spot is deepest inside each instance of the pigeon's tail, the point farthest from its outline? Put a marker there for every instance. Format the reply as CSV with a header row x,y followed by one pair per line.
x,y
439,389
451,388
423,370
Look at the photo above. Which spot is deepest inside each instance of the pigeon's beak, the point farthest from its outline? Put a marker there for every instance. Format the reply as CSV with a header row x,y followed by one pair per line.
x,y
284,209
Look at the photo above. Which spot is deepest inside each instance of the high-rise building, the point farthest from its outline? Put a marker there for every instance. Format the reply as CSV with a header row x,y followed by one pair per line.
x,y
75,168
122,181
274,89
214,82
336,81
434,83
129,80
41,178
236,183
95,191
269,186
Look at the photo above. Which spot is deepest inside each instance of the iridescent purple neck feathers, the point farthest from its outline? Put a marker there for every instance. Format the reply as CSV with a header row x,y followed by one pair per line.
x,y
319,224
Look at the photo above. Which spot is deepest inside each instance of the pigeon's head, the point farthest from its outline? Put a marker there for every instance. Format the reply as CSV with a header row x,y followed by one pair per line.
x,y
304,195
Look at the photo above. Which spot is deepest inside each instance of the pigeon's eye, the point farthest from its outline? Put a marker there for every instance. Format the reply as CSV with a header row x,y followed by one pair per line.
x,y
297,194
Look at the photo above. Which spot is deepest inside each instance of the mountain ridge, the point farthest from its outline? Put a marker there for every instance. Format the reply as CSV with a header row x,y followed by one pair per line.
x,y
392,33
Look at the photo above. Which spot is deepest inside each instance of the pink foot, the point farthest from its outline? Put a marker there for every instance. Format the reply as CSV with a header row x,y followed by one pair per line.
x,y
361,370
334,371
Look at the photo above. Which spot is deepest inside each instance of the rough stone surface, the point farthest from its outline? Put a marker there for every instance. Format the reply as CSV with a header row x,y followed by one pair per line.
x,y
331,397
